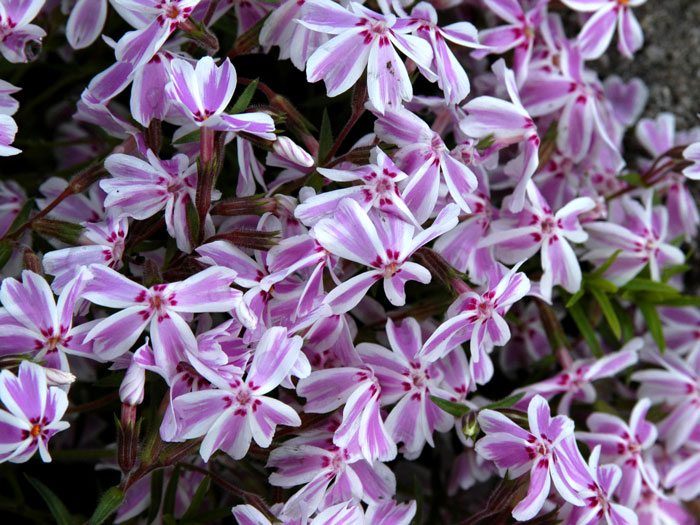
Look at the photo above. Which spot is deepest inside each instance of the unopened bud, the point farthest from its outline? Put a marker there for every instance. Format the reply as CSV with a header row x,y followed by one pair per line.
x,y
127,438
132,388
67,232
31,261
83,180
244,206
253,239
201,35
56,377
287,150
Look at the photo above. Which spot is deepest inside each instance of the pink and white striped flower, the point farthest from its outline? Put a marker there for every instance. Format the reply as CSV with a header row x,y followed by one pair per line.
x,y
518,34
596,34
357,390
203,92
160,306
538,228
140,189
365,40
451,77
378,189
427,160
479,319
642,240
238,410
382,242
18,36
32,414
156,20
600,507
408,380
33,322
548,451
625,444
506,123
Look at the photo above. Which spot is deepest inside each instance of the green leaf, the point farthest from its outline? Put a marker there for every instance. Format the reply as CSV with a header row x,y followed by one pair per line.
x,y
601,284
506,402
5,252
653,321
108,505
485,143
608,311
192,136
607,264
198,498
640,284
243,101
674,270
21,217
56,506
633,178
192,222
156,494
584,326
325,139
170,492
626,324
678,300
575,298
454,409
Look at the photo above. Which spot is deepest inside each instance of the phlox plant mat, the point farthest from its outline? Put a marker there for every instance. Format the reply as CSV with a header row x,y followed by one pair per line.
x,y
309,262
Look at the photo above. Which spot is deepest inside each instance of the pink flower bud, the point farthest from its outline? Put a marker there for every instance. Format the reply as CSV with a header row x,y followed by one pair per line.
x,y
131,389
56,377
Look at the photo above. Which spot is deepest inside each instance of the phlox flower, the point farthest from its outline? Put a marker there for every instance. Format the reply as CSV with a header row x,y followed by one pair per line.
x,y
506,123
382,242
32,414
295,41
584,119
378,189
548,451
600,507
100,243
518,33
538,228
676,385
597,32
451,77
575,382
329,475
203,92
642,240
160,306
625,444
155,20
365,40
358,391
238,410
427,160
33,322
18,36
140,189
479,318
408,380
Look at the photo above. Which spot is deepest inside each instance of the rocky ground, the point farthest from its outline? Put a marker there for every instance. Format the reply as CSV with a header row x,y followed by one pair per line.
x,y
670,61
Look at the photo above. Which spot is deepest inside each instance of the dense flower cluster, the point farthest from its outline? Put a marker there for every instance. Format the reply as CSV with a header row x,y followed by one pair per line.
x,y
326,312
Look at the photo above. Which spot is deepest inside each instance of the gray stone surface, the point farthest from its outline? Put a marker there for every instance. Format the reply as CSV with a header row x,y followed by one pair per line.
x,y
669,62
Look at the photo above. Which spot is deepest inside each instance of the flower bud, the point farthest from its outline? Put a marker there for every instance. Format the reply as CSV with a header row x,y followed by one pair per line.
x,y
288,150
56,377
132,388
